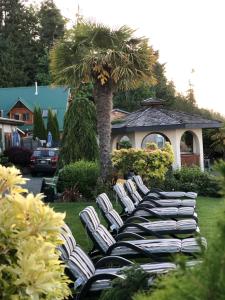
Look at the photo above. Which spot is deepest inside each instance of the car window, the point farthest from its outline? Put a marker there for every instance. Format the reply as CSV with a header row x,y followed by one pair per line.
x,y
45,153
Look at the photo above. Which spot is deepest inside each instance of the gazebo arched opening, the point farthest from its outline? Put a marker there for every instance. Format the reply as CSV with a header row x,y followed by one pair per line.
x,y
189,149
124,142
155,137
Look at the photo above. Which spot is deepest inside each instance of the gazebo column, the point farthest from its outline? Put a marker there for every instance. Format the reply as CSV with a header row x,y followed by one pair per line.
x,y
175,143
198,146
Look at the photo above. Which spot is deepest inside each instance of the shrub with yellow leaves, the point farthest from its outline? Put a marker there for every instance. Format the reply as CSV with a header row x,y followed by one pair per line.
x,y
30,267
150,163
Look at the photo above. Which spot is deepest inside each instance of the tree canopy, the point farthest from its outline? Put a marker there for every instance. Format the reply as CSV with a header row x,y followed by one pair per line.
x,y
26,35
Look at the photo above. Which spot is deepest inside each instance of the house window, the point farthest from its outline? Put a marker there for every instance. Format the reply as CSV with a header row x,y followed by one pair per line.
x,y
16,116
44,113
26,117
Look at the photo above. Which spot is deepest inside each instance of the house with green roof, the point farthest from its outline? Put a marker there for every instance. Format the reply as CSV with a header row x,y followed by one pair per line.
x,y
19,102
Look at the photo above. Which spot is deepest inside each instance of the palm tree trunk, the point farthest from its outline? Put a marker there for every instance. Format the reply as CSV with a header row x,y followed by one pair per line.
x,y
103,96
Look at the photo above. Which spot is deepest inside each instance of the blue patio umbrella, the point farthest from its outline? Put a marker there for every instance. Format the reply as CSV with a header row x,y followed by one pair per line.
x,y
15,139
49,139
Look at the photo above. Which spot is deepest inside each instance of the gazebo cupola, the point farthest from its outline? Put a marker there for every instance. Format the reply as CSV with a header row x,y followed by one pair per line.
x,y
155,123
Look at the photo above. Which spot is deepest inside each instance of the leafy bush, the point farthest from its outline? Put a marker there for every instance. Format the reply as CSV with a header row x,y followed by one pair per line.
x,y
192,179
19,156
125,144
83,174
30,267
150,163
136,280
4,161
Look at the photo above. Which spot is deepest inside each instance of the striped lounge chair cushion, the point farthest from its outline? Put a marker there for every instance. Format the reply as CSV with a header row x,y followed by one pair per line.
x,y
101,235
110,214
162,246
130,186
124,198
171,194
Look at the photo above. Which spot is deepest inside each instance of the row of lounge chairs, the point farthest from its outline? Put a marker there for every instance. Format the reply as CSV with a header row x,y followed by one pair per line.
x,y
147,228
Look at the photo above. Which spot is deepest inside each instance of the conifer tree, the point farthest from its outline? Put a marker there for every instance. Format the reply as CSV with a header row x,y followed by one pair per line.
x,y
39,126
53,126
79,134
56,126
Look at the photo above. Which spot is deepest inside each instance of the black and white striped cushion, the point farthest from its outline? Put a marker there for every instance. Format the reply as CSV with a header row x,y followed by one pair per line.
x,y
75,258
171,194
111,214
163,202
104,202
130,186
167,211
90,218
80,265
101,235
139,182
124,198
116,222
161,246
152,268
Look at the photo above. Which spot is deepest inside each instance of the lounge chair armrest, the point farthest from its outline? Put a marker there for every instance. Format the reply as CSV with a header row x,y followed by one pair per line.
x,y
136,218
132,235
141,251
151,213
141,228
150,200
113,259
151,197
86,287
147,205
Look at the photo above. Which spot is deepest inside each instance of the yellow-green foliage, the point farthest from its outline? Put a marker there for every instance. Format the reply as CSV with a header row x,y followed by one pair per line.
x,y
151,162
29,234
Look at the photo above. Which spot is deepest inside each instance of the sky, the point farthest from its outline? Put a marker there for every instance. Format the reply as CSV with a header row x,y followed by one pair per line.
x,y
189,35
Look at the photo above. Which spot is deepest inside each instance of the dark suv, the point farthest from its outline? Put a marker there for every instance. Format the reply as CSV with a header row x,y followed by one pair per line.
x,y
44,160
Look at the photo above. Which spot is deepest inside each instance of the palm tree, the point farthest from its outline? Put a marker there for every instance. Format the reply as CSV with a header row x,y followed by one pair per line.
x,y
111,60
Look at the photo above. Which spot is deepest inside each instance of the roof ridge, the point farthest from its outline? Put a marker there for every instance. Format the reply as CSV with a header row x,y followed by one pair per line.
x,y
135,116
167,112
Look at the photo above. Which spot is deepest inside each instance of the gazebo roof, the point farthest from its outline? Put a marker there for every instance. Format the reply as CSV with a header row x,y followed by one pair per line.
x,y
159,118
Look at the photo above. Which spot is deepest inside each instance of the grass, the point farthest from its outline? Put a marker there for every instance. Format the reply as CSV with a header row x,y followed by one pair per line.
x,y
209,211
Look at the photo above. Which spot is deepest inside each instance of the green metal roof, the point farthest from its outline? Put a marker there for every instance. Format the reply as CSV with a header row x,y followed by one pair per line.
x,y
47,97
23,102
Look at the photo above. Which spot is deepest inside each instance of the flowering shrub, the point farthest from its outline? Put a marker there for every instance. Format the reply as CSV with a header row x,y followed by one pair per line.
x,y
29,234
151,162
18,155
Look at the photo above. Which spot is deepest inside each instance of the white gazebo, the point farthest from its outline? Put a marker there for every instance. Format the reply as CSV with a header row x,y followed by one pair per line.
x,y
154,123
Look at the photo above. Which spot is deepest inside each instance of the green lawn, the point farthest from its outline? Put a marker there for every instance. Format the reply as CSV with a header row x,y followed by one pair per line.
x,y
209,210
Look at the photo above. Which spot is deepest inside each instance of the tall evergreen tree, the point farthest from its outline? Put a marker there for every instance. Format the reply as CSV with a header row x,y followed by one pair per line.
x,y
38,125
52,24
51,28
53,126
18,43
190,97
79,133
56,128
